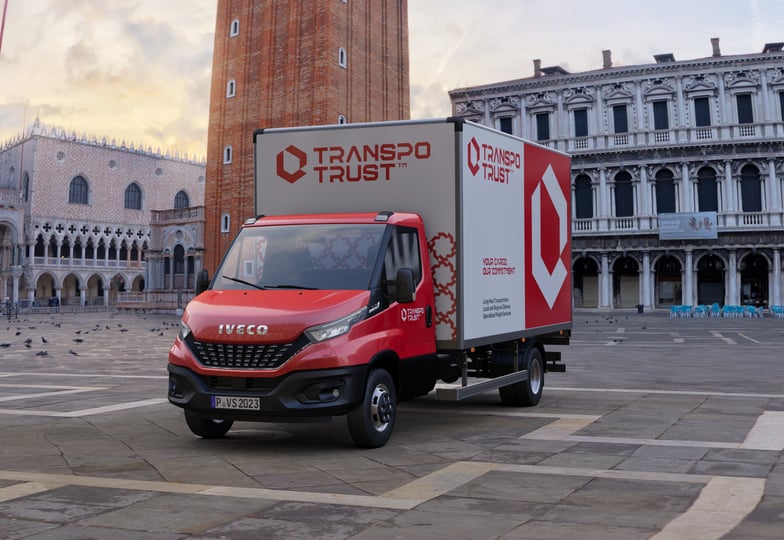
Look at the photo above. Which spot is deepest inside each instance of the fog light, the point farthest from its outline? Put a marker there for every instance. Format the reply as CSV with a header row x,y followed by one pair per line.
x,y
321,392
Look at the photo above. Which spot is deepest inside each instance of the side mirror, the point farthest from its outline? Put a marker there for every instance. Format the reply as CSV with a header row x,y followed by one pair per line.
x,y
405,287
202,282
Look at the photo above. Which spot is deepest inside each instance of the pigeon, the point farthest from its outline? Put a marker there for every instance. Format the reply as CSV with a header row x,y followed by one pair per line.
x,y
123,330
73,352
28,341
5,345
78,332
44,340
18,333
78,340
42,353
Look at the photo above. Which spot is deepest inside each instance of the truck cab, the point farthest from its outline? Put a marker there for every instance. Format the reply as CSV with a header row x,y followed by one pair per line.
x,y
300,312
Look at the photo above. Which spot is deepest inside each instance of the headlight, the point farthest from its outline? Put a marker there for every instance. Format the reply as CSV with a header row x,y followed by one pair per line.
x,y
335,328
184,331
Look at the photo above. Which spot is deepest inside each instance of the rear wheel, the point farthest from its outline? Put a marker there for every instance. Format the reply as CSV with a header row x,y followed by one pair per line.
x,y
206,427
371,423
526,393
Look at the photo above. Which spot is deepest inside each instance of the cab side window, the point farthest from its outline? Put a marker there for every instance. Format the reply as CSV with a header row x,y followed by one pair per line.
x,y
402,252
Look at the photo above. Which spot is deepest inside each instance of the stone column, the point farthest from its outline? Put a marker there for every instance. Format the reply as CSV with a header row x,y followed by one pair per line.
x,y
775,299
646,280
688,279
82,296
732,280
15,289
605,294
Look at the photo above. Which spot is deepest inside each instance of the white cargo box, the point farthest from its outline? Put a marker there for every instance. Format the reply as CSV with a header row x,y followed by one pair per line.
x,y
496,211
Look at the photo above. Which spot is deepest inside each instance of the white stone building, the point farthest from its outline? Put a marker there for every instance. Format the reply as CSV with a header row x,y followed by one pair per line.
x,y
80,217
653,143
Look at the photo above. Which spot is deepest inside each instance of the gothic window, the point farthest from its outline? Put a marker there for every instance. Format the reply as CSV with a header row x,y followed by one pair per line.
x,y
665,192
583,195
624,194
702,112
620,119
707,192
661,118
750,189
181,200
179,259
77,191
26,187
581,122
133,197
341,119
745,112
543,126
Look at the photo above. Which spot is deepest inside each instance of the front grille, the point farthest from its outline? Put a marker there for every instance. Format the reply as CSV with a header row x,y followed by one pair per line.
x,y
244,356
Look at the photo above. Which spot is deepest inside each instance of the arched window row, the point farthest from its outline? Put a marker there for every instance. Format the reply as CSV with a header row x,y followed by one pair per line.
x,y
711,188
79,193
90,252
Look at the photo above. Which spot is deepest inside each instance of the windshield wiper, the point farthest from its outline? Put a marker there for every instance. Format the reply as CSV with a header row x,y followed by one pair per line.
x,y
238,280
287,286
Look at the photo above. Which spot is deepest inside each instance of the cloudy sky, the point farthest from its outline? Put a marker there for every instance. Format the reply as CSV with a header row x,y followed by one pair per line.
x,y
139,70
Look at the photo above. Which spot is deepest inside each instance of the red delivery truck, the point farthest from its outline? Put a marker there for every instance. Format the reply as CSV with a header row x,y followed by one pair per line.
x,y
386,260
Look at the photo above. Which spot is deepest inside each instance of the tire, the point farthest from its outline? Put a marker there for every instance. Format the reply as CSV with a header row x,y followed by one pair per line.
x,y
526,393
371,423
206,427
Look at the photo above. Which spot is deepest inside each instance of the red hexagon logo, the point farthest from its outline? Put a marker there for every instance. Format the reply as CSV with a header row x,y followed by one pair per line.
x,y
473,156
290,169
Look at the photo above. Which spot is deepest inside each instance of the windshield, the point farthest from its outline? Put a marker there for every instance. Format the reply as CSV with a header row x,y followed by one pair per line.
x,y
338,257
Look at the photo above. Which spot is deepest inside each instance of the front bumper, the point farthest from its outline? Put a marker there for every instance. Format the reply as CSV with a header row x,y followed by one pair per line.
x,y
296,396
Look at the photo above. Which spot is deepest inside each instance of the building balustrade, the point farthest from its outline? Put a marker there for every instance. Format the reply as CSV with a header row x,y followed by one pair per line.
x,y
725,222
89,263
10,200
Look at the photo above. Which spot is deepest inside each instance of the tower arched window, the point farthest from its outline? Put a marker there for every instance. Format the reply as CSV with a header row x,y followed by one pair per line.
x,y
26,187
133,197
77,191
231,88
342,57
227,154
181,200
234,29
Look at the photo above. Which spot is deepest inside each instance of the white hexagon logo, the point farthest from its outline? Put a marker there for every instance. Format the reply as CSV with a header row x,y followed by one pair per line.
x,y
550,283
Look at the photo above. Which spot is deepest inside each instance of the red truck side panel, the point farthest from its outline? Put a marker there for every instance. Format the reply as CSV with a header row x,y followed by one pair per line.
x,y
548,237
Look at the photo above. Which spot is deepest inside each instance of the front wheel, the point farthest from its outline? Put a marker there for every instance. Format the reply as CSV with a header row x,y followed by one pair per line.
x,y
526,393
206,427
371,423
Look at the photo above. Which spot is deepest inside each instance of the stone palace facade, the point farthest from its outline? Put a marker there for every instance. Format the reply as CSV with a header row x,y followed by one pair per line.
x,y
697,145
84,220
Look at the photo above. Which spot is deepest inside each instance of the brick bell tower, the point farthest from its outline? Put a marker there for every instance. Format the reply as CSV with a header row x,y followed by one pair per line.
x,y
280,63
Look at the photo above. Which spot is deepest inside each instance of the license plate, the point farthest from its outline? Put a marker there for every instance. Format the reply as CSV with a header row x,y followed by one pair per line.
x,y
238,403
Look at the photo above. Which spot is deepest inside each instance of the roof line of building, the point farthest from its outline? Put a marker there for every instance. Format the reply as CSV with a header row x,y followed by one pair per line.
x,y
37,129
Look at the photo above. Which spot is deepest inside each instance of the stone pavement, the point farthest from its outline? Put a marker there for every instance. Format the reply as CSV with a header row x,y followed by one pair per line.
x,y
660,428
